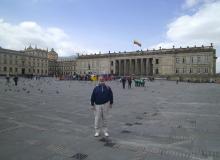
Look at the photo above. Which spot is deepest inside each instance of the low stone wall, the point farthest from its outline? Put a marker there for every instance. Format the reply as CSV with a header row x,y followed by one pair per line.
x,y
184,78
195,78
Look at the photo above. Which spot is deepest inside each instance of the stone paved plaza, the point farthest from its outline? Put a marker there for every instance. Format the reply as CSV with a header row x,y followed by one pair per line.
x,y
51,120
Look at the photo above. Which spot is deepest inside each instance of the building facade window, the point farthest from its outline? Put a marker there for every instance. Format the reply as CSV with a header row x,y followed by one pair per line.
x,y
177,70
206,59
5,69
183,60
157,61
177,60
5,59
184,70
198,59
192,60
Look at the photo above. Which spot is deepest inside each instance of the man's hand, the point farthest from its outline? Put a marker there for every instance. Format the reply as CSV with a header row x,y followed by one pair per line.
x,y
110,105
93,108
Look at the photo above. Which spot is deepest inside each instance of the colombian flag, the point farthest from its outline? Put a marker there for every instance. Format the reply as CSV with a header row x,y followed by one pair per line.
x,y
137,43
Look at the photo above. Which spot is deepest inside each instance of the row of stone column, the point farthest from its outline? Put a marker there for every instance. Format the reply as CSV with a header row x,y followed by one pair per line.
x,y
140,66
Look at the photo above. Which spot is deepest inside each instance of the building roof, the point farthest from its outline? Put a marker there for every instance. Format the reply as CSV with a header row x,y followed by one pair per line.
x,y
30,47
9,51
71,58
150,52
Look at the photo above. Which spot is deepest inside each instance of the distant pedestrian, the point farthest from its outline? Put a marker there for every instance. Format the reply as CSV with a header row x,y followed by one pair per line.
x,y
143,83
101,101
177,81
129,82
8,78
16,80
123,80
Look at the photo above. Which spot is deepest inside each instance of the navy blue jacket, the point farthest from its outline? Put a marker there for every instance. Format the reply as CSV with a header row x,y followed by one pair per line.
x,y
101,95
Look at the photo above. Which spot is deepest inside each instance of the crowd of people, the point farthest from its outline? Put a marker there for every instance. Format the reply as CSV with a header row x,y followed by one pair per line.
x,y
85,77
123,81
88,77
15,79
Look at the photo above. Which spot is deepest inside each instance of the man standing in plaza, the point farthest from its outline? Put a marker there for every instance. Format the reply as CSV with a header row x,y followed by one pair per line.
x,y
129,82
16,80
123,80
7,79
101,101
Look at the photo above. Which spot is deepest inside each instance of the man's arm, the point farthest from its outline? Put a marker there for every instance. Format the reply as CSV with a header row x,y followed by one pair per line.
x,y
93,97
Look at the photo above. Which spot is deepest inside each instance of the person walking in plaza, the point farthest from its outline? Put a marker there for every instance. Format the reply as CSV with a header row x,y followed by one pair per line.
x,y
101,101
7,79
16,80
129,82
177,81
123,80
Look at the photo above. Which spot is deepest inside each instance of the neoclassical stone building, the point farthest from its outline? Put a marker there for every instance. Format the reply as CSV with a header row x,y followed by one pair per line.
x,y
30,61
36,62
52,63
189,61
60,66
162,62
66,66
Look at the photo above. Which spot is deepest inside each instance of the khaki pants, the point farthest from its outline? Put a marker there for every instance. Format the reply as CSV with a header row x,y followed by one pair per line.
x,y
101,114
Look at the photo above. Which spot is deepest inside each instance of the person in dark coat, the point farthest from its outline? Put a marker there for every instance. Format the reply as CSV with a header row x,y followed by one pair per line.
x,y
7,79
16,80
123,80
129,82
177,81
101,101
